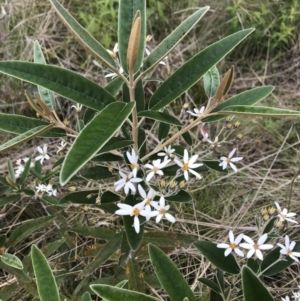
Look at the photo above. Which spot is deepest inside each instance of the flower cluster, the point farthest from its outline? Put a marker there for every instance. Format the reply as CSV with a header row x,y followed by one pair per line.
x,y
257,247
20,166
43,154
42,188
145,207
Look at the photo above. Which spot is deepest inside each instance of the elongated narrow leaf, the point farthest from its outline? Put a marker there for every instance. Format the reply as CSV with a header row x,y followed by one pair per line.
x,y
112,293
135,276
247,98
96,173
159,116
2,240
12,261
188,74
210,284
95,232
164,128
11,171
114,86
83,36
169,276
259,111
25,171
253,288
181,197
93,137
61,81
127,12
111,247
168,239
211,81
20,124
27,228
216,257
9,199
45,281
215,165
114,143
170,42
46,96
25,137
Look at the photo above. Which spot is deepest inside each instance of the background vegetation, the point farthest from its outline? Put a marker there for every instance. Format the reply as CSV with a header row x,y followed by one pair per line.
x,y
270,146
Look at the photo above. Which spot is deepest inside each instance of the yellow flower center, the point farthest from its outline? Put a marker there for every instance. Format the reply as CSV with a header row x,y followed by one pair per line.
x,y
136,211
148,202
289,252
232,246
256,246
228,160
162,211
185,166
134,165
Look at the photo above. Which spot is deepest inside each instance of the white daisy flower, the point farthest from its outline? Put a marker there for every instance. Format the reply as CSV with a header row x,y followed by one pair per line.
x,y
50,191
188,164
284,215
147,197
61,147
256,247
229,160
288,249
127,182
286,298
162,209
135,211
156,168
114,52
41,188
197,112
133,159
168,153
233,246
43,154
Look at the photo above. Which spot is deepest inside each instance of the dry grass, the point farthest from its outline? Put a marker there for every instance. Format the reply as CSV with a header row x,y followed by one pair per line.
x,y
270,149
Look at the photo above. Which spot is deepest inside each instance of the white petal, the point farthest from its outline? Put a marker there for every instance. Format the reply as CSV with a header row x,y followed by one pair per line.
x,y
236,159
292,245
239,252
136,224
233,166
195,165
193,160
248,240
227,252
281,246
122,212
232,153
259,254
231,237
162,202
277,205
148,166
250,253
186,175
150,176
266,247
186,156
170,217
158,218
136,180
142,191
222,246
262,239
179,163
195,173
120,186
239,238
130,186
287,241
246,246
293,257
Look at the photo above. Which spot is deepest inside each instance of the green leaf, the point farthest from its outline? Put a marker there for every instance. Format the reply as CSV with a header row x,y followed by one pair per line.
x,y
52,201
45,280
253,264
164,128
188,74
181,197
4,189
268,265
114,86
112,293
172,40
2,240
9,199
81,197
159,116
25,137
127,12
134,239
12,261
101,233
25,171
86,297
259,111
61,81
211,80
121,284
96,173
10,169
111,247
216,257
135,281
27,228
215,166
246,98
18,124
89,114
108,157
114,143
46,96
169,276
210,284
83,36
92,138
270,225
253,288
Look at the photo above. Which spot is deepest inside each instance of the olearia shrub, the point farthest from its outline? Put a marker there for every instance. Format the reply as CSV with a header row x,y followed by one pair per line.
x,y
130,156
